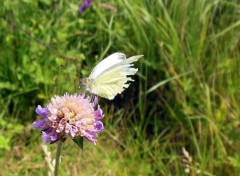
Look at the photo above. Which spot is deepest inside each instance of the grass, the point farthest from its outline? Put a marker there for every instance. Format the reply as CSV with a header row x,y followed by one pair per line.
x,y
185,95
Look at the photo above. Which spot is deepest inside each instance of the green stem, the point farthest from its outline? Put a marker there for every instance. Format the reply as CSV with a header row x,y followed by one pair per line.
x,y
57,158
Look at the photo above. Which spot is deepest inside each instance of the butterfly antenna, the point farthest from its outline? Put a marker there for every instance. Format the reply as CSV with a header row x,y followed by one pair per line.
x,y
92,97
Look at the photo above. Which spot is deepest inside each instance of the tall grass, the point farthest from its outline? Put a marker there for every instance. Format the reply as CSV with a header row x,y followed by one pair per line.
x,y
180,116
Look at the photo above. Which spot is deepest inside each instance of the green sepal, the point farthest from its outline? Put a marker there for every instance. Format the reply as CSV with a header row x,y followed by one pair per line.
x,y
79,141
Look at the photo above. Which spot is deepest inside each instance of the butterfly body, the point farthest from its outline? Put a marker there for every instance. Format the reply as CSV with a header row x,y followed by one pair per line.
x,y
110,76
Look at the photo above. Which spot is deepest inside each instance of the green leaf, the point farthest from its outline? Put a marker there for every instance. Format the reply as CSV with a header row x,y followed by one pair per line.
x,y
8,86
79,141
165,81
4,142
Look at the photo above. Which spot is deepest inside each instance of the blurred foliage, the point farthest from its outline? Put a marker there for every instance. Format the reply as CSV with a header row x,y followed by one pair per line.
x,y
186,93
8,130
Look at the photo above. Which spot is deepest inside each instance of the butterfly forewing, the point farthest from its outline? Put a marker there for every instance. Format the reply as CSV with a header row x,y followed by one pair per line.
x,y
106,63
127,63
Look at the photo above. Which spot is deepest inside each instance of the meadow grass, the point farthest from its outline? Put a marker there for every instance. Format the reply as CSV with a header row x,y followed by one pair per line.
x,y
179,117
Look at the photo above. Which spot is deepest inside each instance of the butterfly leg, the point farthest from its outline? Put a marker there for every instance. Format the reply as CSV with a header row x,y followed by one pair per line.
x,y
94,98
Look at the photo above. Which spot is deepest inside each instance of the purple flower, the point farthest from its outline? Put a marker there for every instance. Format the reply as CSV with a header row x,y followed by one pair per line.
x,y
72,115
85,4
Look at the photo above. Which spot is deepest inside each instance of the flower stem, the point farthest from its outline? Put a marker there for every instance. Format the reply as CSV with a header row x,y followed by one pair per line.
x,y
57,158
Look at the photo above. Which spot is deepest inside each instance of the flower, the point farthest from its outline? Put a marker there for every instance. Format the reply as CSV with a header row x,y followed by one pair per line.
x,y
85,4
72,115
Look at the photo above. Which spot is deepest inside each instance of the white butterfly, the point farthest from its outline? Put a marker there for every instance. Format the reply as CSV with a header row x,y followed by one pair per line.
x,y
110,76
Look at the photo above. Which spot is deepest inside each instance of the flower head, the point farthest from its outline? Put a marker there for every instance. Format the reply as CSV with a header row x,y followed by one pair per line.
x,y
85,4
72,115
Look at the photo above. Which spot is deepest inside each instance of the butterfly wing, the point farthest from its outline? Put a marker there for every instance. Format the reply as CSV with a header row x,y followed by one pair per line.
x,y
106,63
113,80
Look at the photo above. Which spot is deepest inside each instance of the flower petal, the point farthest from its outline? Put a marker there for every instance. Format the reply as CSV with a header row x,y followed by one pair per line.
x,y
98,114
98,126
49,135
40,124
45,137
41,111
85,5
91,136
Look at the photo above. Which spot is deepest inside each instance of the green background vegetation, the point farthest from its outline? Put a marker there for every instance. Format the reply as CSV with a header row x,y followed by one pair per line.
x,y
185,95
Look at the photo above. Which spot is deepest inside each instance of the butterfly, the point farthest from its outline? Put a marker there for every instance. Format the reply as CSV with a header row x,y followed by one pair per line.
x,y
111,76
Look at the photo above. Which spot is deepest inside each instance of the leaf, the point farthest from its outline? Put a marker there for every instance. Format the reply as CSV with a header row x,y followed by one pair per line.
x,y
8,86
79,141
5,142
164,82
